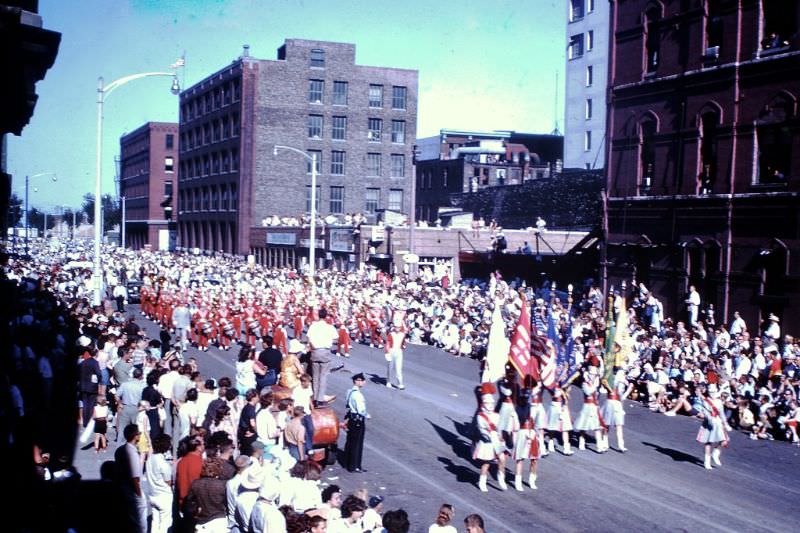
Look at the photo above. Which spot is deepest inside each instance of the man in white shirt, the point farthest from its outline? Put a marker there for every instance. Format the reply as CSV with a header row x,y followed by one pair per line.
x,y
232,490
693,305
321,336
265,517
738,326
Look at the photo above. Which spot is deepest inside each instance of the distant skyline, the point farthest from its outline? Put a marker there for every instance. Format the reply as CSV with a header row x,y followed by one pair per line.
x,y
483,65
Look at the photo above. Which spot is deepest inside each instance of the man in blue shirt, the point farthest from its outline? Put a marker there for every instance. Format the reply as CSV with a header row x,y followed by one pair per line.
x,y
356,421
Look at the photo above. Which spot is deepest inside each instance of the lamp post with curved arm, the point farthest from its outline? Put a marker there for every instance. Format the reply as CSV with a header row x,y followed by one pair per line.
x,y
312,245
102,92
27,187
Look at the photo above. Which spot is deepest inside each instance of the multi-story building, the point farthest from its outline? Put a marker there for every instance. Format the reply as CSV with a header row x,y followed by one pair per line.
x,y
457,162
148,168
703,164
359,121
586,76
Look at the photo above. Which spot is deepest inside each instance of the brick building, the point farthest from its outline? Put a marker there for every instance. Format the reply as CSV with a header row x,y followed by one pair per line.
x,y
703,165
147,168
456,162
360,121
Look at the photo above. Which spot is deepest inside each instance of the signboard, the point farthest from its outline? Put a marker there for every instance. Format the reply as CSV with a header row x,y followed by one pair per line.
x,y
306,243
378,234
341,240
286,239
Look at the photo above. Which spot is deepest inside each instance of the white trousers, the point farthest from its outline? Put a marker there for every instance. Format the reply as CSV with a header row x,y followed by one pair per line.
x,y
395,366
161,508
218,525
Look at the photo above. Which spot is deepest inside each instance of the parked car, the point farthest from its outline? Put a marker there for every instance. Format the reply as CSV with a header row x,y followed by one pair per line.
x,y
133,287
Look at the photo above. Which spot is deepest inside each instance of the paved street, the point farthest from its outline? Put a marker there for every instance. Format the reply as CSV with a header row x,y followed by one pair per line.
x,y
418,457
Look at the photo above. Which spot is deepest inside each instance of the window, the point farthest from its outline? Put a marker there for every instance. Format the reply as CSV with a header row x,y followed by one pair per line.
x,y
235,124
169,164
395,200
168,188
373,200
317,58
337,200
339,130
589,6
647,154
315,90
589,40
588,108
226,161
780,23
398,166
234,160
196,200
399,131
234,198
318,154
314,126
214,199
206,199
589,75
576,46
398,97
376,95
708,152
576,10
774,140
713,26
587,141
170,141
652,40
373,164
337,163
340,93
374,129
308,199
224,195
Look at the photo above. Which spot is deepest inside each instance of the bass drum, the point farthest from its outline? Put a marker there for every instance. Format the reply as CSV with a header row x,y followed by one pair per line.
x,y
280,393
326,426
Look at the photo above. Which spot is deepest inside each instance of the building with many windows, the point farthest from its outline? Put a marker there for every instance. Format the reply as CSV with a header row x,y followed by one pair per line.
x,y
703,164
586,75
359,122
148,168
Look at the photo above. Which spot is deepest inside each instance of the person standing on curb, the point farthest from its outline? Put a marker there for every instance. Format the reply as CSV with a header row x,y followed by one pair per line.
x,y
321,336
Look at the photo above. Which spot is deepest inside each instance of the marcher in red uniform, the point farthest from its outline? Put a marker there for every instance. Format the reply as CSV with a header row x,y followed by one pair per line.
x,y
343,341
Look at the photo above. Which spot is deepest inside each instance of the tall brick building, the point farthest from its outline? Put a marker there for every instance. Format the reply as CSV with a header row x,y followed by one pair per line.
x,y
703,165
148,169
359,120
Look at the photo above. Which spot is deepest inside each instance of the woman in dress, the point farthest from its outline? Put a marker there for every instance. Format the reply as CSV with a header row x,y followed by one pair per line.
x,y
589,418
526,440
712,434
223,422
144,445
488,446
559,421
100,416
245,370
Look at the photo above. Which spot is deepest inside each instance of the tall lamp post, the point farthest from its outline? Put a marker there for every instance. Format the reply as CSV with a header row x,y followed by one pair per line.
x,y
102,92
312,245
27,188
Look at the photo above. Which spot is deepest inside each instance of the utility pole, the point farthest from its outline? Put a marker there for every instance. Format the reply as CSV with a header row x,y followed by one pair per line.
x,y
122,229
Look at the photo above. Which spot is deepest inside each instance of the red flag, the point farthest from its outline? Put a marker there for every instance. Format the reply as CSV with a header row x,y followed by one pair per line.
x,y
520,353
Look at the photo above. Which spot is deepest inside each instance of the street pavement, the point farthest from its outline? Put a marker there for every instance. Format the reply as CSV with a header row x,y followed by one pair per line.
x,y
417,455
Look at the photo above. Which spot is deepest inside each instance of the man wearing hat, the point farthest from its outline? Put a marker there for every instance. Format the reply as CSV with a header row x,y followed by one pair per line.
x,y
233,488
372,521
265,515
773,331
356,417
395,344
245,497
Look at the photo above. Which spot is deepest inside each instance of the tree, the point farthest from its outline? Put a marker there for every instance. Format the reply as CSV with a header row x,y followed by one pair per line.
x,y
112,212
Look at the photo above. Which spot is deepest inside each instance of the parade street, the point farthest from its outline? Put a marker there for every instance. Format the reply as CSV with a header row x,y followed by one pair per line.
x,y
417,454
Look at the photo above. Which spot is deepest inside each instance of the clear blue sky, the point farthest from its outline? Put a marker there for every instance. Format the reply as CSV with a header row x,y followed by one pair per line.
x,y
483,65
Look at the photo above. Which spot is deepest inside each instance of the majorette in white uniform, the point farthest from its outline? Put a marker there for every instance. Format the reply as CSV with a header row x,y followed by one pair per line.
x,y
712,433
526,440
559,420
589,417
613,412
488,447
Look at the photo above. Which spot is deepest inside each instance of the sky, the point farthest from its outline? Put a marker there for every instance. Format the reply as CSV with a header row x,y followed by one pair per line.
x,y
483,65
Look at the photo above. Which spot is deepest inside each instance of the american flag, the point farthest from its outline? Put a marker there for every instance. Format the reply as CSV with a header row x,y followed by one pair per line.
x,y
520,353
545,351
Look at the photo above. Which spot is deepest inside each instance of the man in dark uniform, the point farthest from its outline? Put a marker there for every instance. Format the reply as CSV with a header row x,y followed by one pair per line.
x,y
356,421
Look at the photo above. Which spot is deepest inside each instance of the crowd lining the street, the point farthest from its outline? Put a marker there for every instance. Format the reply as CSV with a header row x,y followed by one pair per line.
x,y
233,441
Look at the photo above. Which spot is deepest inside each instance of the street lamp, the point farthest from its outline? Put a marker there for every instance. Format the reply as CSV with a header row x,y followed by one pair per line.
x,y
102,92
312,249
27,187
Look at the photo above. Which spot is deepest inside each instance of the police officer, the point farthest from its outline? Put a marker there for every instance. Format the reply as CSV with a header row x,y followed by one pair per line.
x,y
356,421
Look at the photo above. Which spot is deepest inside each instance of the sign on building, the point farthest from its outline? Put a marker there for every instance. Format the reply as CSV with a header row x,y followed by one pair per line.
x,y
341,240
285,239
